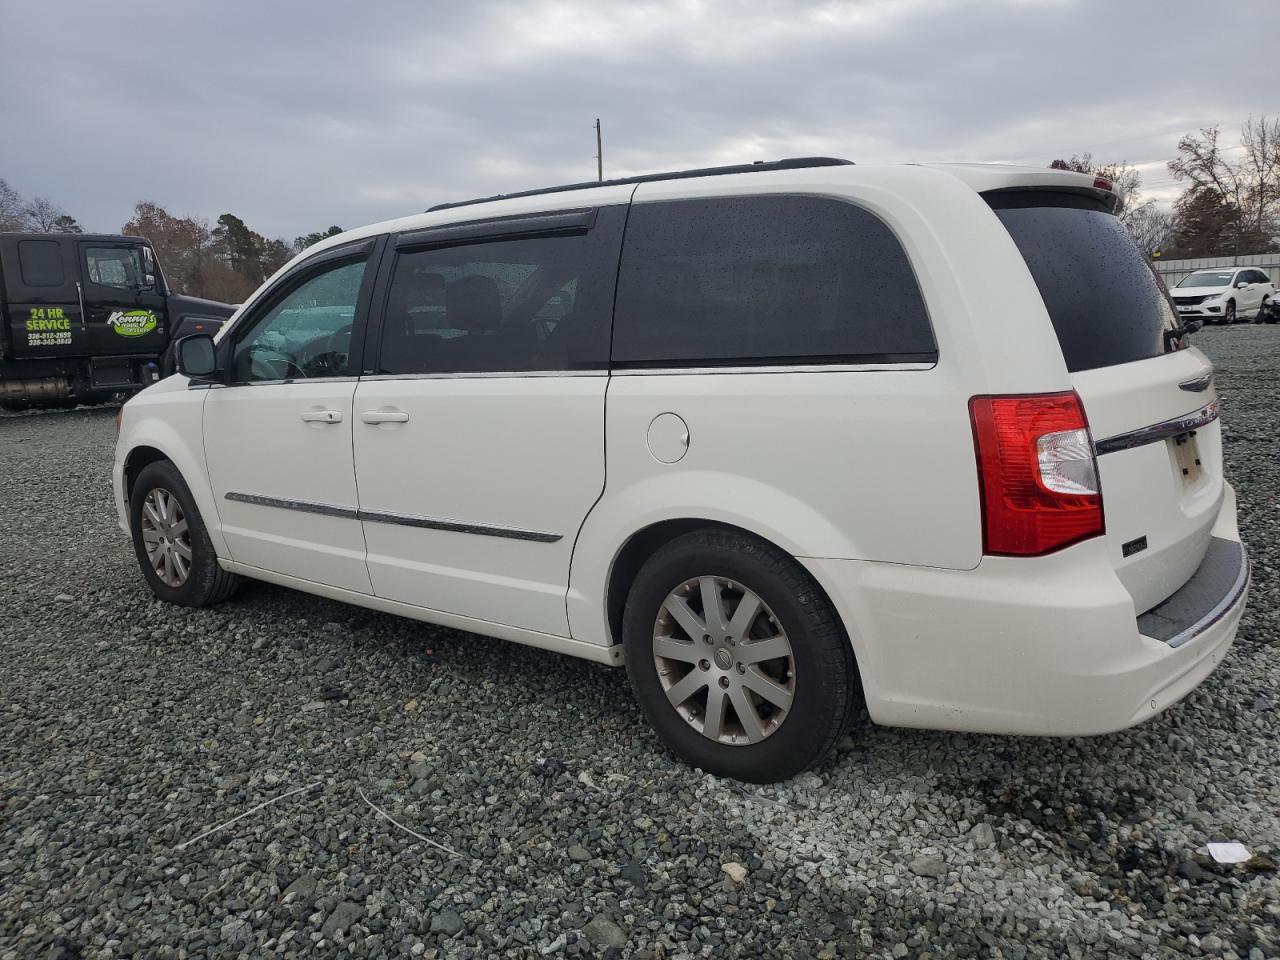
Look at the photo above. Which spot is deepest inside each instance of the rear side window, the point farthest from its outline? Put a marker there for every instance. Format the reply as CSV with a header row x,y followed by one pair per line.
x,y
1105,301
41,263
512,305
765,279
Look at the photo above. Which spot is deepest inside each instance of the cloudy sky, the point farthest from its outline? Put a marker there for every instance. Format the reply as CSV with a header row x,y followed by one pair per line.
x,y
298,115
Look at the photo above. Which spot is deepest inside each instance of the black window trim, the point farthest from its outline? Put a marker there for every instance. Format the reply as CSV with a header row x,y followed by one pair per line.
x,y
522,227
370,248
819,363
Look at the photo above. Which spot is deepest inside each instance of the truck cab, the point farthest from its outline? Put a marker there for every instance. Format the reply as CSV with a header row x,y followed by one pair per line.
x,y
85,316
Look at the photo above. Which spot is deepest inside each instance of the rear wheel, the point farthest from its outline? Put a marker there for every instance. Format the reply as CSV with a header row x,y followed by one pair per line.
x,y
737,658
1262,311
171,542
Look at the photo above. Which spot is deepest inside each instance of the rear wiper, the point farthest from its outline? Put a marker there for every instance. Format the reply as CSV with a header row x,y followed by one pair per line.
x,y
1177,333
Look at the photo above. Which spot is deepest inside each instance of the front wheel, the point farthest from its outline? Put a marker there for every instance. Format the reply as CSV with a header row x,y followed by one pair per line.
x,y
1230,316
737,657
171,542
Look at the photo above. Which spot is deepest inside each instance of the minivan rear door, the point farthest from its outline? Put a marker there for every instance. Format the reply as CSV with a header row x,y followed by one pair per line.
x,y
1152,412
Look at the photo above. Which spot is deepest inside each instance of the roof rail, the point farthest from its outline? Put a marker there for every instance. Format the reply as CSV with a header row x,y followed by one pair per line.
x,y
760,166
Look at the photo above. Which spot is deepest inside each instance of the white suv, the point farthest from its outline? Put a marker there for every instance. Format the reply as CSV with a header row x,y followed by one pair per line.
x,y
784,439
1224,295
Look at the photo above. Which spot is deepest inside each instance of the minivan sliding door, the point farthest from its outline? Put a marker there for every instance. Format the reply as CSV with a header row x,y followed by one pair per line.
x,y
479,433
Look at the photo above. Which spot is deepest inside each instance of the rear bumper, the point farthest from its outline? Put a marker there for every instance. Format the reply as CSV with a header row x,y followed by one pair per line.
x,y
1046,645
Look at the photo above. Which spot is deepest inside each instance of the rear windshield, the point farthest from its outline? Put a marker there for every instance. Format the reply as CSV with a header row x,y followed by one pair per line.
x,y
1105,301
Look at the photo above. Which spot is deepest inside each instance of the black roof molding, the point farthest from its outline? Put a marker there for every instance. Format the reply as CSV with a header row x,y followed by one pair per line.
x,y
760,166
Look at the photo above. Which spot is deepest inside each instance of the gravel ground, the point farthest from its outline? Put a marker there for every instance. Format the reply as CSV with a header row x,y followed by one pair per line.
x,y
130,728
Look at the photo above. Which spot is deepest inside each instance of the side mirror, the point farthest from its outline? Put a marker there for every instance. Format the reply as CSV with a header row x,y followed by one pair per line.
x,y
148,284
1242,284
196,356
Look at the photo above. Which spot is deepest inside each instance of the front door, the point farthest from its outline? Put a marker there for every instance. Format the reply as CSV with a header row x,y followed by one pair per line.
x,y
278,434
122,313
479,435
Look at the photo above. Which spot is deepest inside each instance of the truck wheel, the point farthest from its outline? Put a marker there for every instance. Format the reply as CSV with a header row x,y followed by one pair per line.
x,y
171,542
737,657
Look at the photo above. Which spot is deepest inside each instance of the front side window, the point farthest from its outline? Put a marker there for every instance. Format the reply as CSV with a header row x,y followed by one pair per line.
x,y
765,279
507,305
307,332
119,267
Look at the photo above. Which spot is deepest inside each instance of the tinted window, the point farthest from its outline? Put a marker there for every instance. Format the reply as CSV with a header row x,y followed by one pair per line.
x,y
538,303
307,332
1106,304
746,280
41,263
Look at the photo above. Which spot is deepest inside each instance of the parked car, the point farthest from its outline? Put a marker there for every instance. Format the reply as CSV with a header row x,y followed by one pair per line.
x,y
1223,296
86,316
1270,312
783,439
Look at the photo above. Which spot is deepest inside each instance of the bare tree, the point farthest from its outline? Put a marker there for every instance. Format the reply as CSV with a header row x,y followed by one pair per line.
x,y
1150,227
43,214
11,215
1249,186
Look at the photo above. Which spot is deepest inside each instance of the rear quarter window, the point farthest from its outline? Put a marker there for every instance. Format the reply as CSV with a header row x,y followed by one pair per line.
x,y
765,279
1106,303
41,263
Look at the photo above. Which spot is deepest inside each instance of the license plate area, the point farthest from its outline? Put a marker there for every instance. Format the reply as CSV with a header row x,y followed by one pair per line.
x,y
1186,456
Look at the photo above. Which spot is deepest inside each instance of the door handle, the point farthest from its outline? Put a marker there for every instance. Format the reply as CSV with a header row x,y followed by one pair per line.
x,y
384,416
322,416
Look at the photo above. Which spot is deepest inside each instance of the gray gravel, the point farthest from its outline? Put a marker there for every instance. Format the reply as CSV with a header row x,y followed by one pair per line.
x,y
130,728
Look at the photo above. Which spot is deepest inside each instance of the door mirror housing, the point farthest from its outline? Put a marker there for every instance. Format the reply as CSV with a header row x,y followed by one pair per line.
x,y
1242,284
196,356
148,284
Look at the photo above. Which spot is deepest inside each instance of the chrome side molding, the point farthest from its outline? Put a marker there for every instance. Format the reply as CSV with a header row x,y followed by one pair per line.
x,y
405,520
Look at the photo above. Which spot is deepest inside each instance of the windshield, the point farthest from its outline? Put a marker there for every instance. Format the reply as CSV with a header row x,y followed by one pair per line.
x,y
1206,278
1105,301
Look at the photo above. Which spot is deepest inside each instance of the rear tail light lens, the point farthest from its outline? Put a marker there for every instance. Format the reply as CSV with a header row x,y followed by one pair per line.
x,y
1036,472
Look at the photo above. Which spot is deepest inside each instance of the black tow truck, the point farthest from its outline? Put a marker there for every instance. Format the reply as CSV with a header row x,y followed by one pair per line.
x,y
87,316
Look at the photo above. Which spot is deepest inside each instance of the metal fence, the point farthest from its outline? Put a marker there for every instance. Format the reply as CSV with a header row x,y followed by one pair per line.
x,y
1174,270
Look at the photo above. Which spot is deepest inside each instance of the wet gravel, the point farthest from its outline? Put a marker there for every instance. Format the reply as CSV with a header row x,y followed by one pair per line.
x,y
535,814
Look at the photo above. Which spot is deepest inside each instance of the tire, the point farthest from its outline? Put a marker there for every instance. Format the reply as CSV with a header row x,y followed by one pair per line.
x,y
819,670
204,583
1229,317
1262,312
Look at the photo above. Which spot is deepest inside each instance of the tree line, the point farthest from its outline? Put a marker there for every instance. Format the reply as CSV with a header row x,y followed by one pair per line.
x,y
1231,204
225,260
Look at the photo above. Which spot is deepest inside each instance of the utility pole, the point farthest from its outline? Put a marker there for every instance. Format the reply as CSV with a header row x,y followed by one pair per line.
x,y
599,154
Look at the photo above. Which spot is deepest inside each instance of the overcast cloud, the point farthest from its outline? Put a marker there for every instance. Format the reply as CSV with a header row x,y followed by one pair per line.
x,y
298,115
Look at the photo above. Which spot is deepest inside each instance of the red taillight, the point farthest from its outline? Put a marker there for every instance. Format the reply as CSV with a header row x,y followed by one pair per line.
x,y
1102,183
1037,474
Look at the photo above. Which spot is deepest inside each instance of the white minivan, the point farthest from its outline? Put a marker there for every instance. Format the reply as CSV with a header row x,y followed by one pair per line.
x,y
784,439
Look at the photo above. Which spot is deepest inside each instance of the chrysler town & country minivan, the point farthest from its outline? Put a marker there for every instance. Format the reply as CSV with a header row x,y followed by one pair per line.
x,y
783,439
